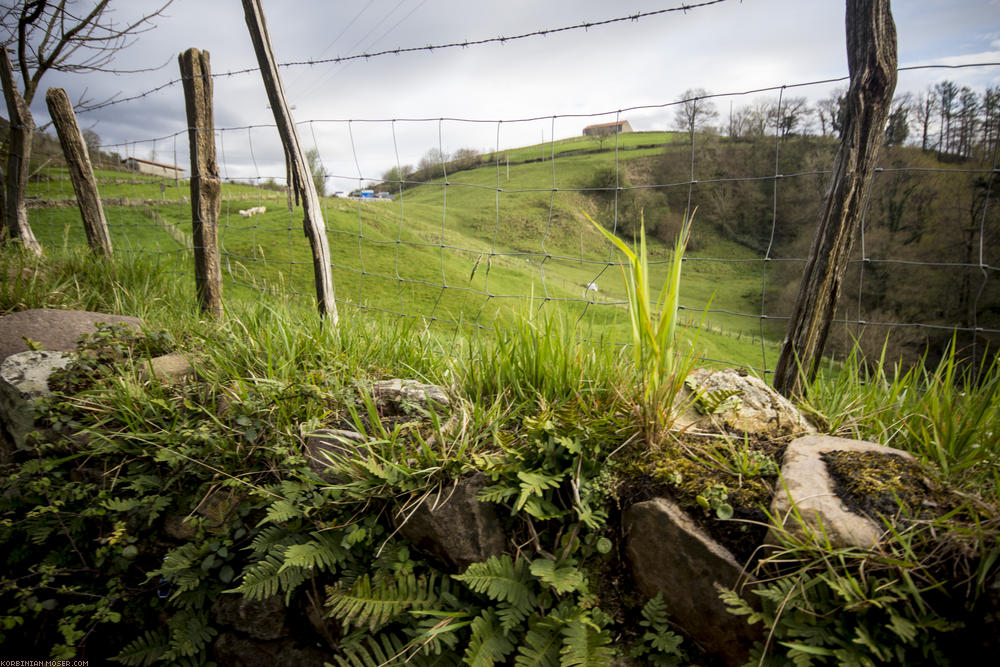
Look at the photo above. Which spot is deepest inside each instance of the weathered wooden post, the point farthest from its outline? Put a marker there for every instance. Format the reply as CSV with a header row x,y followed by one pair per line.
x,y
206,188
81,173
315,228
871,60
22,127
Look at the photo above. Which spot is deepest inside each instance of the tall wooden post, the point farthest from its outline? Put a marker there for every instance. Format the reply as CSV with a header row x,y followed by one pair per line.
x,y
22,127
871,60
81,172
315,228
206,188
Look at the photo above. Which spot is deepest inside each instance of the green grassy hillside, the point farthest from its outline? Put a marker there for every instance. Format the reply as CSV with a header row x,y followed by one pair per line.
x,y
473,249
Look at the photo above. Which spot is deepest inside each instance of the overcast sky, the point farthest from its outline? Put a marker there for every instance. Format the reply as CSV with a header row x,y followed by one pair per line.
x,y
729,47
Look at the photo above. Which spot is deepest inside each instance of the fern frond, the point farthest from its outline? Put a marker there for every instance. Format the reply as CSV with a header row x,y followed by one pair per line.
x,y
268,538
385,649
375,604
501,579
497,493
322,552
541,645
189,634
535,483
268,576
144,650
487,645
121,504
563,577
280,511
584,645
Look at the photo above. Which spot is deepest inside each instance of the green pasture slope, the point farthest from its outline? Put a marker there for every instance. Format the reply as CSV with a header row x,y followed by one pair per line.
x,y
493,236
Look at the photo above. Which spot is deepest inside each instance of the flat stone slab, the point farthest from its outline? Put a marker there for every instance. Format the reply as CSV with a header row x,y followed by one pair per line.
x,y
52,329
403,396
671,555
808,487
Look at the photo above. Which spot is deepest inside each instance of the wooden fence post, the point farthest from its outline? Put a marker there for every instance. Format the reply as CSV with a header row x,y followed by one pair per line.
x,y
22,128
871,59
206,188
315,228
81,172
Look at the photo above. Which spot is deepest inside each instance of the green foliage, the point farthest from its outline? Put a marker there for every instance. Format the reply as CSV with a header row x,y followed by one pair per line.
x,y
659,364
374,604
659,645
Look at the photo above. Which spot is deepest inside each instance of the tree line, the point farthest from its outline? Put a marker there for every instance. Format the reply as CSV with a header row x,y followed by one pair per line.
x,y
931,231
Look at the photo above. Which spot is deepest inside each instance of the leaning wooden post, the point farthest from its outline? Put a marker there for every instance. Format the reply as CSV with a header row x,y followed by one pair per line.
x,y
871,60
315,228
81,173
206,188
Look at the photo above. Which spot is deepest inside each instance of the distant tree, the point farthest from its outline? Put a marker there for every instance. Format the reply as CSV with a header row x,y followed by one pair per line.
x,y
93,141
830,112
897,129
946,92
991,120
790,115
694,112
967,121
315,166
926,105
67,36
432,164
394,177
465,158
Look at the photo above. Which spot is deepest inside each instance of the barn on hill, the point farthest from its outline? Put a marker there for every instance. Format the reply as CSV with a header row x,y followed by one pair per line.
x,y
605,129
139,166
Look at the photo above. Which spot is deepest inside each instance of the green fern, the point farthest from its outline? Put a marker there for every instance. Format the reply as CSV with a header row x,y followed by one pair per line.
x,y
659,645
563,577
541,645
376,603
268,538
584,644
280,511
269,576
487,645
322,552
535,483
501,579
189,634
369,651
145,650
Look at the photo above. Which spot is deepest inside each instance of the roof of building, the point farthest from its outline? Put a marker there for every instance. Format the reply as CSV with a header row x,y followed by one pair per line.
x,y
158,164
617,122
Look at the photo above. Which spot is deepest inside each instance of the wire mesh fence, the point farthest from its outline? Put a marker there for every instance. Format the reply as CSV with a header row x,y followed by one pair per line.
x,y
469,234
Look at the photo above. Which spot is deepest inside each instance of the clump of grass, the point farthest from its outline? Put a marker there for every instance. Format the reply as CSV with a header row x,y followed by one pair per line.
x,y
660,365
947,416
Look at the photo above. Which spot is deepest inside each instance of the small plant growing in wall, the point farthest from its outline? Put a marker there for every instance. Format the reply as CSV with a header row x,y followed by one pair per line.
x,y
660,365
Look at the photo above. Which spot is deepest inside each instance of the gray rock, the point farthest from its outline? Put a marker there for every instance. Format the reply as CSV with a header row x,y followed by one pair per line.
x,y
169,369
671,555
54,330
454,525
751,406
261,619
808,487
323,443
179,528
24,379
408,396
